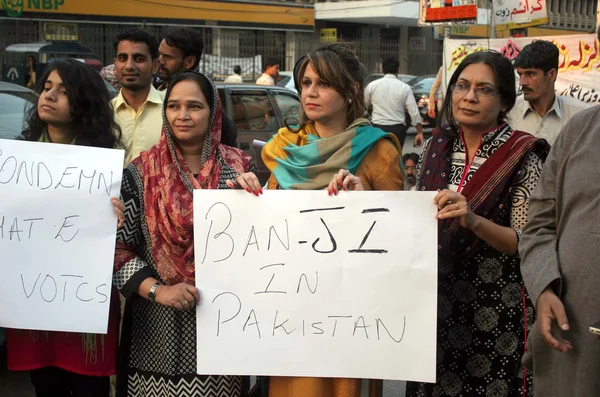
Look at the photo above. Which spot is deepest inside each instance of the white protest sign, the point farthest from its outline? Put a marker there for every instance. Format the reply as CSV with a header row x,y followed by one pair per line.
x,y
578,65
297,283
57,235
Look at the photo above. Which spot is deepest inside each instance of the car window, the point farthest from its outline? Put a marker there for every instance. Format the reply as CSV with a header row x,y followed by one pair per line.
x,y
253,112
289,106
423,84
283,81
12,114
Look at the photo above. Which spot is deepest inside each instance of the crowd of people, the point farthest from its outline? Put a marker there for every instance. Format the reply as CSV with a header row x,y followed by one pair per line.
x,y
516,191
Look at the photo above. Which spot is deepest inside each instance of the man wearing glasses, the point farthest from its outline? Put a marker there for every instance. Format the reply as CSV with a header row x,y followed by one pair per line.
x,y
541,112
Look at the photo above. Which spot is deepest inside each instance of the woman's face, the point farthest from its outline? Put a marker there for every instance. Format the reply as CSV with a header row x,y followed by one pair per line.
x,y
188,113
320,101
53,104
476,111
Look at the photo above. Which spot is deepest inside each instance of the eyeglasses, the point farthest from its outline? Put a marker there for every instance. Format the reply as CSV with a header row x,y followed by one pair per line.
x,y
410,167
462,88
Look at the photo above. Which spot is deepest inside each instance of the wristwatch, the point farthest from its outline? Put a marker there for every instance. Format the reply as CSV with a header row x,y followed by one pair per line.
x,y
152,292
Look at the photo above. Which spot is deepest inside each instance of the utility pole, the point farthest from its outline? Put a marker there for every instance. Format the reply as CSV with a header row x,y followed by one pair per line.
x,y
492,24
597,16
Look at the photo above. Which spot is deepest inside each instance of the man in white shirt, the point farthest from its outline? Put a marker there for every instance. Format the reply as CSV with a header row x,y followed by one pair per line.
x,y
138,107
236,77
270,74
541,112
390,98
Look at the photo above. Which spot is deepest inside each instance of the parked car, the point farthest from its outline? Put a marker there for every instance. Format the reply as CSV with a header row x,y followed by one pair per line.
x,y
405,78
258,112
15,101
287,81
420,88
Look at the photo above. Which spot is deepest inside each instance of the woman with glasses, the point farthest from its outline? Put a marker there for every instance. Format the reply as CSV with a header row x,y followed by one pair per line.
x,y
485,173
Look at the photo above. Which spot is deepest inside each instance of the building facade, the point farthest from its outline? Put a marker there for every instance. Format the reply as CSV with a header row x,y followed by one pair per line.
x,y
231,29
384,28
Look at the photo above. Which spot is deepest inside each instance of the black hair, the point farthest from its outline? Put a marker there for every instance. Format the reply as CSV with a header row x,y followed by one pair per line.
x,y
504,77
271,62
237,69
137,35
410,156
390,65
93,118
228,130
539,54
188,41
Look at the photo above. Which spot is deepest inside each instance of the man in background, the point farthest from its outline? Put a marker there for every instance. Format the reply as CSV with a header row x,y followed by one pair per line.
x,y
270,73
391,98
179,51
236,77
138,107
541,112
410,161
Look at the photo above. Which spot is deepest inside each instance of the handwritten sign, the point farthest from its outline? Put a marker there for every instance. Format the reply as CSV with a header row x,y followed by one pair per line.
x,y
57,235
578,66
511,14
297,283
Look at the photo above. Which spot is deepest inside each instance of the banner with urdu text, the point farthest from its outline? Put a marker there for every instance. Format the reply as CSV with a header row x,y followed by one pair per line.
x,y
579,62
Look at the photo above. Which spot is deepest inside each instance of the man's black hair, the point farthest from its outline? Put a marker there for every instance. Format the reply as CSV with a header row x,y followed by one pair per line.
x,y
539,54
188,41
410,156
237,69
390,65
137,35
271,62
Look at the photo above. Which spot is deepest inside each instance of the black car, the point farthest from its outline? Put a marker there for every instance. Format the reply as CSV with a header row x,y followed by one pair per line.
x,y
258,112
420,88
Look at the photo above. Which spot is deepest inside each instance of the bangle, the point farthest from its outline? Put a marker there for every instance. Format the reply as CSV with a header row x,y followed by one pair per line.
x,y
152,292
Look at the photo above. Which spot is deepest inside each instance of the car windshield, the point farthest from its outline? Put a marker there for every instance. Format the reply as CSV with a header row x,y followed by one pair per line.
x,y
12,113
422,84
283,81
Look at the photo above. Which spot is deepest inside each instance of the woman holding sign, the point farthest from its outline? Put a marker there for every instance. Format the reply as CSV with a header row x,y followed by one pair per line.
x,y
485,173
332,136
73,108
154,260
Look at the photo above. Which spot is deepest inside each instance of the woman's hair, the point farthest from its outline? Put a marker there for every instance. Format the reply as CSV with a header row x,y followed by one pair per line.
x,y
228,130
504,76
337,64
92,120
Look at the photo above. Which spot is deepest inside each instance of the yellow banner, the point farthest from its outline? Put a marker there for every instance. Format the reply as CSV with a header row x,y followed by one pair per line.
x,y
190,11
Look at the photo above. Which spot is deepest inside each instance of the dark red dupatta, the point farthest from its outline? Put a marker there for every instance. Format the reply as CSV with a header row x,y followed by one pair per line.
x,y
488,191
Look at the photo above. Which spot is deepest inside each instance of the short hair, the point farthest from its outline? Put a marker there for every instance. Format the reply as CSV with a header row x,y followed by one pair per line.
x,y
92,115
410,156
338,64
188,41
539,54
504,76
390,65
237,69
271,62
137,35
